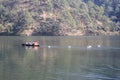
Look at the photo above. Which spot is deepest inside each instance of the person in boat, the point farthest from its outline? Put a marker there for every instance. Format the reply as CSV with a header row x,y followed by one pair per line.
x,y
35,43
28,43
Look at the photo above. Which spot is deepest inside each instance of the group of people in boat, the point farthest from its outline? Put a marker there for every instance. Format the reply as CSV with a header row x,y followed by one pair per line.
x,y
30,44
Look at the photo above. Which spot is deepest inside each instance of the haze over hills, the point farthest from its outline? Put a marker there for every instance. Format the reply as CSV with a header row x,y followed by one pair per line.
x,y
59,17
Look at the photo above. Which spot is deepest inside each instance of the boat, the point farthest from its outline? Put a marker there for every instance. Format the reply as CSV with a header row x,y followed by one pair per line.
x,y
32,44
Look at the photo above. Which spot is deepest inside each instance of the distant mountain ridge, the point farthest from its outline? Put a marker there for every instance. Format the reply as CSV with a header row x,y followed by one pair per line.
x,y
60,17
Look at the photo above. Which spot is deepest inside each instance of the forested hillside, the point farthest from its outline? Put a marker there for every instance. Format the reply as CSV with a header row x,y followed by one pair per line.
x,y
59,17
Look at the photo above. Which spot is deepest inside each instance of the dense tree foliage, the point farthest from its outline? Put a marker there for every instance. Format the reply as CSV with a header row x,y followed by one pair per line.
x,y
59,17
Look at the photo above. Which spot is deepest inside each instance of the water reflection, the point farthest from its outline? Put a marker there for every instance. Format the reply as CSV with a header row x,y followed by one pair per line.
x,y
60,62
35,48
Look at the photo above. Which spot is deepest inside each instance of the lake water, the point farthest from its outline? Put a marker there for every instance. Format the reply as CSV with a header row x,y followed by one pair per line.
x,y
60,58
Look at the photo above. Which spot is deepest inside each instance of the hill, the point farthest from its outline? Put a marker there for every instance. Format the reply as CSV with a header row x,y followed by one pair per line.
x,y
59,17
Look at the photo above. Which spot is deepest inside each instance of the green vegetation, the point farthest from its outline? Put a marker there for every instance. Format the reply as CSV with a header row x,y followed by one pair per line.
x,y
59,17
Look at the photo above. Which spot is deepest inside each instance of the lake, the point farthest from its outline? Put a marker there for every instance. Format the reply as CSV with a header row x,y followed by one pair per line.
x,y
60,58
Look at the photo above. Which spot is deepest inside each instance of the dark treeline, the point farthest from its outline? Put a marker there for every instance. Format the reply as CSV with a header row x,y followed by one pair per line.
x,y
59,17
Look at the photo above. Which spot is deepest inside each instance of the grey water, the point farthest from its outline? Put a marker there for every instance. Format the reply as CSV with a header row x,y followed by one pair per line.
x,y
60,58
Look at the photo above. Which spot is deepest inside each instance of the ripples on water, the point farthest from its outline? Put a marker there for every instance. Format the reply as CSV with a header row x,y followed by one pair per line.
x,y
80,47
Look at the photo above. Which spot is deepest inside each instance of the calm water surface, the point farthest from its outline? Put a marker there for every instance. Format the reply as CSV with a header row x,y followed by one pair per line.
x,y
60,58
